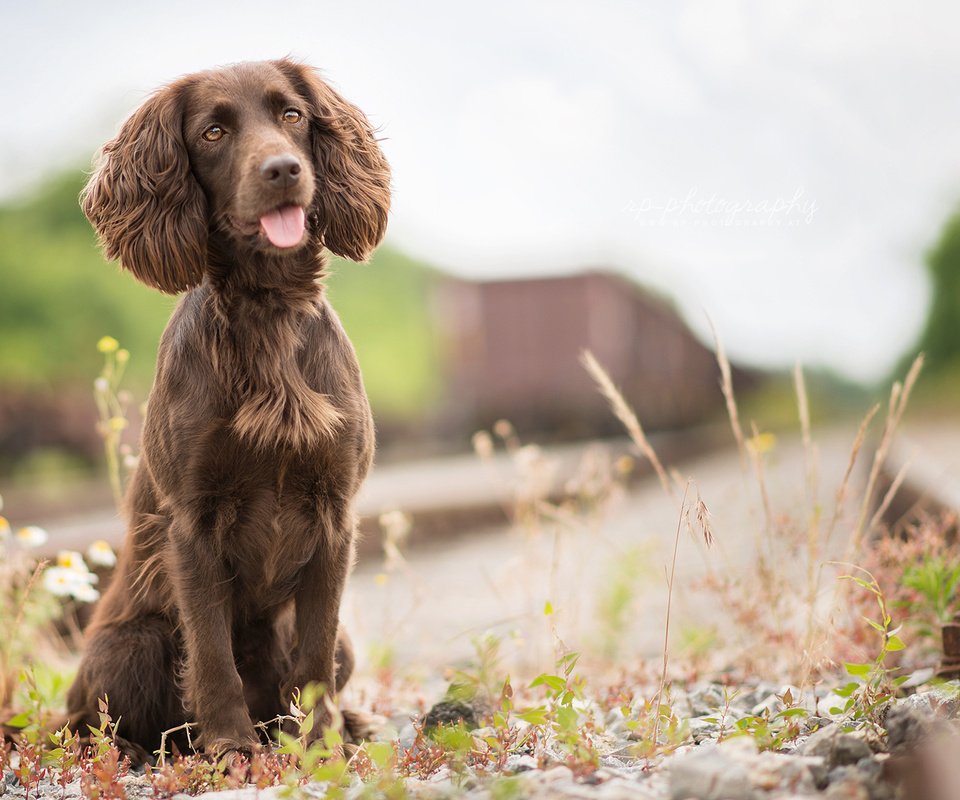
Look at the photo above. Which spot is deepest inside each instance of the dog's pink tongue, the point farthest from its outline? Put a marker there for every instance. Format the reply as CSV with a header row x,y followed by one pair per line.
x,y
284,227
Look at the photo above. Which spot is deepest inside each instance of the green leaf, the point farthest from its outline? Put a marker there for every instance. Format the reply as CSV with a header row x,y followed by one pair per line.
x,y
380,753
894,643
534,716
857,670
568,662
860,582
332,738
847,690
456,738
567,718
19,721
289,745
555,682
307,724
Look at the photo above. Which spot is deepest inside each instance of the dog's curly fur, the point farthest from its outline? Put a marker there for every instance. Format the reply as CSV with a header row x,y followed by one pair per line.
x,y
258,433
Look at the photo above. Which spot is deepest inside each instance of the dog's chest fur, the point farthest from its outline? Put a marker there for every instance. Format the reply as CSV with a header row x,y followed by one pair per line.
x,y
266,532
260,358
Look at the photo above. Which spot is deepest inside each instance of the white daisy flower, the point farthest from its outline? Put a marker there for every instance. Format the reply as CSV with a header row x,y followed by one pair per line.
x,y
71,559
61,581
69,582
32,536
85,593
101,554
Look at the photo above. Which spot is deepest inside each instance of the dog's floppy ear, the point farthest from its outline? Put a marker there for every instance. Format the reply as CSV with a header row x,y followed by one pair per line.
x,y
353,177
148,209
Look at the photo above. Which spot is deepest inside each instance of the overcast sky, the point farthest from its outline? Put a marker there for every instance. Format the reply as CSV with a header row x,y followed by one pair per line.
x,y
779,166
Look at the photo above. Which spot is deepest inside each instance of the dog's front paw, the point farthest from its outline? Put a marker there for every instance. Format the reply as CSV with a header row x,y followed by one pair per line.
x,y
234,733
231,750
359,726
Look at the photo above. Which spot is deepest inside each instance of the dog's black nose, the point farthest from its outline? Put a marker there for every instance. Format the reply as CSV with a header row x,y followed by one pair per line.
x,y
281,171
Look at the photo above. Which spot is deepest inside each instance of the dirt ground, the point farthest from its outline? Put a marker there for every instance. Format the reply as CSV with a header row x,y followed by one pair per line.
x,y
430,607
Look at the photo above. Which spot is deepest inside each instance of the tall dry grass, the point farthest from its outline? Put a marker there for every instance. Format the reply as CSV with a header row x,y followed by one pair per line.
x,y
785,600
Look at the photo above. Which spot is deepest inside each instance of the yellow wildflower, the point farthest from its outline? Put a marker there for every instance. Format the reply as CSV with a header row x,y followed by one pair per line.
x,y
762,443
108,344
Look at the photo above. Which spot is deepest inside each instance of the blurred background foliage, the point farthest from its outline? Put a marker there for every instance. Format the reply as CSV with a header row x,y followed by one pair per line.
x,y
59,297
938,391
940,339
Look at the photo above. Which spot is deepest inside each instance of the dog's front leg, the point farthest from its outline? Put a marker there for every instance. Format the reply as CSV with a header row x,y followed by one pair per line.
x,y
213,689
317,618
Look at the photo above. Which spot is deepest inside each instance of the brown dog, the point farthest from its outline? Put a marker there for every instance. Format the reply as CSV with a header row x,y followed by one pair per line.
x,y
228,184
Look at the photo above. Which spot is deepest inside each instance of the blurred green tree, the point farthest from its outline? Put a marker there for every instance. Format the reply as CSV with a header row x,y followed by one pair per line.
x,y
940,340
59,297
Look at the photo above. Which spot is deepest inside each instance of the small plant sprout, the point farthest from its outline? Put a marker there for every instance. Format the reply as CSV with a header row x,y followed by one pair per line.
x,y
563,713
935,579
317,753
482,679
64,757
772,730
874,684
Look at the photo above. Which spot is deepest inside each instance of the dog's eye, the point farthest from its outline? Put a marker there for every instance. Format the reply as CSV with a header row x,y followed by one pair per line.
x,y
213,133
292,116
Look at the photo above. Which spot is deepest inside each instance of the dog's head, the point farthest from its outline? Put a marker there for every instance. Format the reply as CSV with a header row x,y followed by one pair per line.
x,y
264,156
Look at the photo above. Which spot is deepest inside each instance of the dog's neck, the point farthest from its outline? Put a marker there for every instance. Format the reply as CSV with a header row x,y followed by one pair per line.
x,y
260,309
278,281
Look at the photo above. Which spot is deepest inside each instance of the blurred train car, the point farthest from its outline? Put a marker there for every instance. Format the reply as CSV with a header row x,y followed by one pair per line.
x,y
512,350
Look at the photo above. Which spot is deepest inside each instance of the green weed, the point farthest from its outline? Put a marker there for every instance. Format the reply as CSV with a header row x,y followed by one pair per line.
x,y
874,683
